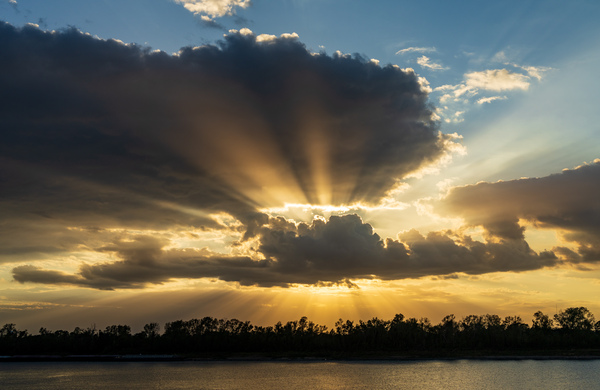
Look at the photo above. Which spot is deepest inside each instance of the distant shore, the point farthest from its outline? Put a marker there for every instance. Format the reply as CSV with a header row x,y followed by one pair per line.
x,y
465,355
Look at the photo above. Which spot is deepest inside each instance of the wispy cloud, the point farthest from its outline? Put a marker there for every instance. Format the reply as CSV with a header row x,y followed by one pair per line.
x,y
425,62
207,21
13,3
416,50
488,80
536,72
490,99
456,99
497,80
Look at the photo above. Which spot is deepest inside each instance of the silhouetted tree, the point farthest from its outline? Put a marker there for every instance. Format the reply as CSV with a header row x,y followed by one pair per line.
x,y
577,329
575,318
11,331
151,330
541,321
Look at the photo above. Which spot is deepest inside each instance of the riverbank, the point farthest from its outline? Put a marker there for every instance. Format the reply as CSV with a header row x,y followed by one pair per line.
x,y
369,356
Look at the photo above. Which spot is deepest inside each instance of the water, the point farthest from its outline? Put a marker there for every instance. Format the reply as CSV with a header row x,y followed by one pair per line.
x,y
457,374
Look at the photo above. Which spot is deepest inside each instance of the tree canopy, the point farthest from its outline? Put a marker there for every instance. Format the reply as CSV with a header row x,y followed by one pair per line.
x,y
572,328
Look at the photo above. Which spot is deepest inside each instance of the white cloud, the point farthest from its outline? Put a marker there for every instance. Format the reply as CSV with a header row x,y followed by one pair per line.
x,y
455,118
445,87
341,55
416,50
460,96
213,8
266,38
491,99
244,31
461,89
484,86
534,71
424,62
490,80
445,98
497,80
289,36
500,57
425,85
269,37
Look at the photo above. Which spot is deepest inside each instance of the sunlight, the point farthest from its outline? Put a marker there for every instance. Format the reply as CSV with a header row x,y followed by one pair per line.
x,y
268,176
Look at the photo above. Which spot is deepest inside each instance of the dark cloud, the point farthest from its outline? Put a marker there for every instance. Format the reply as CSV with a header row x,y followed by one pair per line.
x,y
101,139
442,253
96,133
323,253
567,202
144,260
113,112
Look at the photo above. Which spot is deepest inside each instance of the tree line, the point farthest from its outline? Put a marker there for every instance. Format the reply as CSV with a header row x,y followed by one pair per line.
x,y
571,329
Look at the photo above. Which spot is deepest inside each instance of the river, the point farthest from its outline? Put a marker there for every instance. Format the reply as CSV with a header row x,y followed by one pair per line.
x,y
267,375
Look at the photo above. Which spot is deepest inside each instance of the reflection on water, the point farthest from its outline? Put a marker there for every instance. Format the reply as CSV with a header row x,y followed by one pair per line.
x,y
457,374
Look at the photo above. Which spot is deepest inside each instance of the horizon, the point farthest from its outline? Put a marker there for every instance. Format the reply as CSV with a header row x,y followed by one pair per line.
x,y
570,319
180,159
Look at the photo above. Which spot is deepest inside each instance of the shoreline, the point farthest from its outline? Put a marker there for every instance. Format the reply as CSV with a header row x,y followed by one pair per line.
x,y
262,358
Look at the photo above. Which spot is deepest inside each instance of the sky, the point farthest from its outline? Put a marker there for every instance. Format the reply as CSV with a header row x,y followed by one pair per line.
x,y
268,160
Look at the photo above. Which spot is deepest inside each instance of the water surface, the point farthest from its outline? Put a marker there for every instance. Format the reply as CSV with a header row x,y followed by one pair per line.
x,y
453,374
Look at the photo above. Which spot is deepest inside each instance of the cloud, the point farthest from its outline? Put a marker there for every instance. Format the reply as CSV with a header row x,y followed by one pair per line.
x,y
14,5
273,38
100,137
424,62
214,8
321,253
457,98
536,72
416,50
488,80
145,260
497,80
211,23
566,202
490,99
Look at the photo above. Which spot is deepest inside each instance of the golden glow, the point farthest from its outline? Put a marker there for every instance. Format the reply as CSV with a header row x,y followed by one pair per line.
x,y
253,161
317,148
499,293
